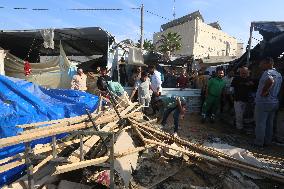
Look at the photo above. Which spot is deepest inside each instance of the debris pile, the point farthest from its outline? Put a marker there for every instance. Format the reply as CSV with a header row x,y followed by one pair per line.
x,y
121,147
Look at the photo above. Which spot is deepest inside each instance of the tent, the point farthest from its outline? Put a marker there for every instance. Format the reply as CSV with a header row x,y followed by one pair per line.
x,y
28,44
55,73
272,44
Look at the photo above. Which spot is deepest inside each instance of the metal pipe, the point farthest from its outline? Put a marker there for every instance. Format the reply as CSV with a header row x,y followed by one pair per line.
x,y
29,165
112,161
54,153
81,148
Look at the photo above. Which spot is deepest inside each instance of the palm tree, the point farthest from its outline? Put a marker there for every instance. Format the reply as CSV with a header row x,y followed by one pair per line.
x,y
147,45
170,42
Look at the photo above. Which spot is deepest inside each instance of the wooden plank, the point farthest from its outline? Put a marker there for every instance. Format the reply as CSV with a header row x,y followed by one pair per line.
x,y
79,165
126,110
26,137
36,151
11,165
223,162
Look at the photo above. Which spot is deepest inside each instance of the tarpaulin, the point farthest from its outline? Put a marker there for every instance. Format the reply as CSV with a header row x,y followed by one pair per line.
x,y
55,73
22,102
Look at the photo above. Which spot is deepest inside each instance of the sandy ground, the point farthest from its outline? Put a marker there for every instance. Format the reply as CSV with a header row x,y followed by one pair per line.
x,y
192,128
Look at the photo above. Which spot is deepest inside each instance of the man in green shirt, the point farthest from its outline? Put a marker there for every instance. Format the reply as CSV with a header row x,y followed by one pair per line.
x,y
214,92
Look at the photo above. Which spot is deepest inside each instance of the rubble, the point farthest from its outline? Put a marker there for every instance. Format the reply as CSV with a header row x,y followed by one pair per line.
x,y
110,146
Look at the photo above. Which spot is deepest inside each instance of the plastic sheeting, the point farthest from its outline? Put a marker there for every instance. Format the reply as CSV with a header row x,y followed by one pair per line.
x,y
22,102
54,73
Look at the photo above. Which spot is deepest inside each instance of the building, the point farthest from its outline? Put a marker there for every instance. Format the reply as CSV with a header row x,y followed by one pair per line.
x,y
200,39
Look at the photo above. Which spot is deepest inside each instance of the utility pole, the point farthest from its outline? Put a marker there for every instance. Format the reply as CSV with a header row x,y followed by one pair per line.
x,y
249,45
142,27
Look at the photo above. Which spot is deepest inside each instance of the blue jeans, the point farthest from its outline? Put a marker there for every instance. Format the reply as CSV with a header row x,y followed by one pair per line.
x,y
264,116
166,114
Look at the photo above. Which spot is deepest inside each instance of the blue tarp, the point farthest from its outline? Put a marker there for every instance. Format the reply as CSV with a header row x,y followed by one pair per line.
x,y
22,102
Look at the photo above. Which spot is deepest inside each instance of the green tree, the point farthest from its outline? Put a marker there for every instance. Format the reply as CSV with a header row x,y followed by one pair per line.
x,y
170,42
147,45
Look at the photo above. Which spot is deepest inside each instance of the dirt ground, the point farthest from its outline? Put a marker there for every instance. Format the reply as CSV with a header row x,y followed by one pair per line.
x,y
222,131
165,172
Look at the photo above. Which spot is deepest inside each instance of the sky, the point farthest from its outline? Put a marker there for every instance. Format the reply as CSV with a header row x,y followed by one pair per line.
x,y
234,16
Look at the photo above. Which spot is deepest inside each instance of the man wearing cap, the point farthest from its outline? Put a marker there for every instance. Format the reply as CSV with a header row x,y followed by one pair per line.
x,y
79,81
266,102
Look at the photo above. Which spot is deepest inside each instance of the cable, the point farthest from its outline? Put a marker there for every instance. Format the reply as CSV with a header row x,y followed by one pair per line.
x,y
157,15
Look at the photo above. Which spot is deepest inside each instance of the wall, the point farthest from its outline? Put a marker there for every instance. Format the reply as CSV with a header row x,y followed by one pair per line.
x,y
240,49
186,31
213,42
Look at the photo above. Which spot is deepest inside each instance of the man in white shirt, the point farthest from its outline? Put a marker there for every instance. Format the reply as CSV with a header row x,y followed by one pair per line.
x,y
156,86
79,81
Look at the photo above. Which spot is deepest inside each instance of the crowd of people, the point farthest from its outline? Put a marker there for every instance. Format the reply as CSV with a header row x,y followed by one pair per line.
x,y
234,92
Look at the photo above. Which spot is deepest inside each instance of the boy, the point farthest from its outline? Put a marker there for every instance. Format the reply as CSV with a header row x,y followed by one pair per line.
x,y
143,87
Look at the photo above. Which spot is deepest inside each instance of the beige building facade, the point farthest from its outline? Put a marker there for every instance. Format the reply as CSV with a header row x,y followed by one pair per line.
x,y
200,39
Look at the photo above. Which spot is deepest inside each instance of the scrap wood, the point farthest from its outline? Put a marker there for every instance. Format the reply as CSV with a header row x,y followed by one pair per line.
x,y
79,165
223,162
75,156
195,147
11,165
27,137
71,120
19,159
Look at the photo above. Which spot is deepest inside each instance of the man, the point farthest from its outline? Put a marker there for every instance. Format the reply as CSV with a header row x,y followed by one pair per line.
x,y
170,79
103,77
170,104
266,102
143,87
79,81
117,90
214,92
228,100
183,79
242,88
156,86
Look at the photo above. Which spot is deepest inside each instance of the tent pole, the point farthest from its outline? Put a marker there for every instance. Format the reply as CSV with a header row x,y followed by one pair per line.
x,y
249,47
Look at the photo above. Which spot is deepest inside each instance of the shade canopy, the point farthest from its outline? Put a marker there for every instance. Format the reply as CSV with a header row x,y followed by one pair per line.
x,y
75,41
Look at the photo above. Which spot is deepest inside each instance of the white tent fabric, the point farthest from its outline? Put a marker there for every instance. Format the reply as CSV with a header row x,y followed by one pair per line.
x,y
135,57
51,74
2,56
48,36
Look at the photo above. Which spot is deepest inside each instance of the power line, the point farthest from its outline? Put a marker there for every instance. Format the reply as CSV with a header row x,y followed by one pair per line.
x,y
157,15
95,9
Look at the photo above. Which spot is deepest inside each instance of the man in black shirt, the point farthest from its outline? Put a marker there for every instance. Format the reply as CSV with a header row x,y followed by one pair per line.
x,y
242,86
